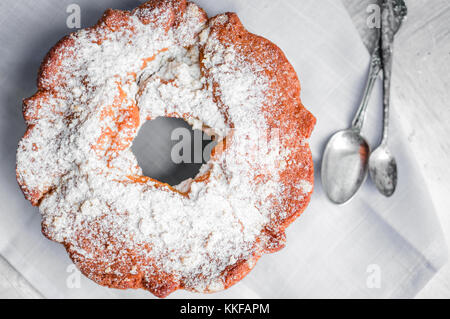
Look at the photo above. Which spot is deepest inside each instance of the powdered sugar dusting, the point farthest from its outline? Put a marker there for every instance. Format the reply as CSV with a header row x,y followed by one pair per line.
x,y
78,152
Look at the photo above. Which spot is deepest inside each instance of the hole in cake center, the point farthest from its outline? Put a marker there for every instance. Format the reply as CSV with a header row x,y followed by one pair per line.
x,y
170,151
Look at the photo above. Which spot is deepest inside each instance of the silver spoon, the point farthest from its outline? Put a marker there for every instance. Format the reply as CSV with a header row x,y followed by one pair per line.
x,y
344,164
345,160
382,164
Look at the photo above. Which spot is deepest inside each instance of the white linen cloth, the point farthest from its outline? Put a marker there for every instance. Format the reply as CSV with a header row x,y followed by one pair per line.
x,y
372,247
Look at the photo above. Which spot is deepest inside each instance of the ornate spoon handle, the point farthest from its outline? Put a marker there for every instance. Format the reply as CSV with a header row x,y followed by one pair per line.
x,y
374,71
392,15
387,44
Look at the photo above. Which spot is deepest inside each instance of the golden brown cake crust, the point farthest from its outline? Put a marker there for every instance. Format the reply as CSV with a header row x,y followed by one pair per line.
x,y
284,111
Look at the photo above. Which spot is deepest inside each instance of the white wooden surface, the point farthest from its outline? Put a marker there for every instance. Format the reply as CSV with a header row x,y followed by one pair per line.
x,y
421,93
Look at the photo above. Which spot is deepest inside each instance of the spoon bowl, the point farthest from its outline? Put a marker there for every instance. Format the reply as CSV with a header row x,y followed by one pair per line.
x,y
344,165
383,170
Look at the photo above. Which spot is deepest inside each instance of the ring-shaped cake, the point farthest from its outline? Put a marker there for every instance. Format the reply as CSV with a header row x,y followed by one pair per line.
x,y
98,86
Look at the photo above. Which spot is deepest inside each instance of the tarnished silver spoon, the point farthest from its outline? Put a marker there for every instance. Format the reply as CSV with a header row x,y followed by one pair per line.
x,y
346,156
344,163
382,164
